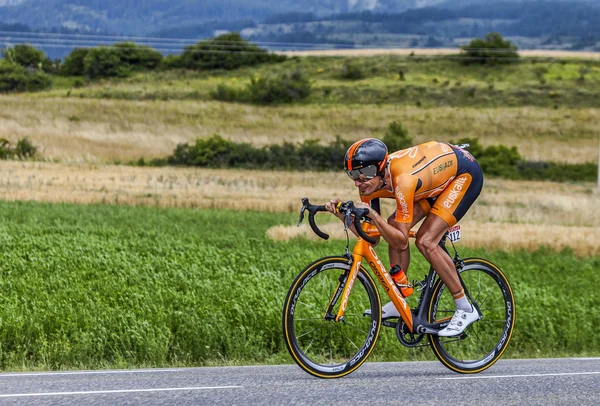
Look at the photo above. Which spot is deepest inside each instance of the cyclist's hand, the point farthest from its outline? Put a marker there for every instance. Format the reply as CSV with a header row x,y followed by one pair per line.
x,y
331,207
363,205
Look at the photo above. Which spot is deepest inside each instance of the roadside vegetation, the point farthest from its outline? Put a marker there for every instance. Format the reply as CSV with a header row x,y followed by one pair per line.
x,y
101,286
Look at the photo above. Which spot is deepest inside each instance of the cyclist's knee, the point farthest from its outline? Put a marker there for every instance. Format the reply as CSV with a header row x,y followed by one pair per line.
x,y
425,243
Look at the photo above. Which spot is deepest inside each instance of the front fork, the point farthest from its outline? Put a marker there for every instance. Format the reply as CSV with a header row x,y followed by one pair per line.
x,y
347,279
344,287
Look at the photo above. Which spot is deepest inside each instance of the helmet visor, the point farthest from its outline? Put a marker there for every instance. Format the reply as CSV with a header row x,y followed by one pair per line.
x,y
368,172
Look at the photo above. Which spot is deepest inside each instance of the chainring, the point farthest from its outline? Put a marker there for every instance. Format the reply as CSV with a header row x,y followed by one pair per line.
x,y
406,337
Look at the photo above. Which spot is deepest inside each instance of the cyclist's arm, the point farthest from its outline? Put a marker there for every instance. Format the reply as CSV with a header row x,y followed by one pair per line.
x,y
396,234
332,204
396,231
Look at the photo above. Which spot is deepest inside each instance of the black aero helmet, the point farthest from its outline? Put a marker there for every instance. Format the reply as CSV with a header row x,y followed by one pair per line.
x,y
365,159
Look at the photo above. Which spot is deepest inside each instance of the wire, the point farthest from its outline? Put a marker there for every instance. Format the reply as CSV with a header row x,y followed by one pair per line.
x,y
174,45
192,41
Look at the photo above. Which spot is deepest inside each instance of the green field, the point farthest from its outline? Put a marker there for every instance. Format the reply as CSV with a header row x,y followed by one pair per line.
x,y
423,81
112,286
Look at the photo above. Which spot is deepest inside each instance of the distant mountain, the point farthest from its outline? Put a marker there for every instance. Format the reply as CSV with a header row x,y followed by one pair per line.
x,y
143,16
431,23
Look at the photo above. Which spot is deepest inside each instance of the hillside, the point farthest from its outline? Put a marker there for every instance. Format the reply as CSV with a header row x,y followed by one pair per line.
x,y
348,21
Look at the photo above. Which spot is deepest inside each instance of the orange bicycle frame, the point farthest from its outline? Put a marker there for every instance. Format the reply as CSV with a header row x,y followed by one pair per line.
x,y
365,250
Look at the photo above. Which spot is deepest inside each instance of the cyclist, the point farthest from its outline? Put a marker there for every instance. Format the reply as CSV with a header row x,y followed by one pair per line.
x,y
434,181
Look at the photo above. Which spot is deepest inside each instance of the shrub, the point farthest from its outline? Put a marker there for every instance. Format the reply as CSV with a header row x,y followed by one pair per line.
x,y
493,49
23,150
220,153
228,51
287,88
396,137
29,57
120,60
226,94
138,57
351,71
74,64
15,78
104,62
496,160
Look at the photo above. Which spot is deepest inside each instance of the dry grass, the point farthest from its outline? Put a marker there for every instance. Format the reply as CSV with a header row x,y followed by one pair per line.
x,y
105,131
437,51
508,215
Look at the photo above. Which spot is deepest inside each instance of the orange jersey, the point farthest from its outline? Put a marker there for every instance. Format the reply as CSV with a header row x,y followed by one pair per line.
x,y
417,173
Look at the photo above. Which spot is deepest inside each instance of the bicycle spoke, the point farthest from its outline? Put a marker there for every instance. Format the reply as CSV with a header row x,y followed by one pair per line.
x,y
308,332
349,339
317,344
357,329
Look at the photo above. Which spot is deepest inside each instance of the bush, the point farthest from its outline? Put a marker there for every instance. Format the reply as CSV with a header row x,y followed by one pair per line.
x,y
228,51
15,78
505,162
104,62
288,88
29,57
74,64
120,60
23,150
496,160
351,71
138,57
491,50
284,89
396,137
227,94
216,152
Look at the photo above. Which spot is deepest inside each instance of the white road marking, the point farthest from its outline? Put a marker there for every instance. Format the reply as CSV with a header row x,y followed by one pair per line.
x,y
120,371
99,392
521,376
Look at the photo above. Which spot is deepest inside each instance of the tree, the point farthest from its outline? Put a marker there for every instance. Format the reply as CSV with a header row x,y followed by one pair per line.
x,y
227,51
74,64
28,57
491,50
118,60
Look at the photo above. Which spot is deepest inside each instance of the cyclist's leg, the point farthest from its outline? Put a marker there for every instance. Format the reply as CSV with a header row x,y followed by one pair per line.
x,y
450,206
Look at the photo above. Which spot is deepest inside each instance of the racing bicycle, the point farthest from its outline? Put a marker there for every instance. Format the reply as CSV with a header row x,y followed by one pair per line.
x,y
330,332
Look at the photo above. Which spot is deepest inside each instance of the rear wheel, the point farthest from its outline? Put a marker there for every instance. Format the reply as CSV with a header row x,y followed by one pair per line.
x,y
323,347
484,341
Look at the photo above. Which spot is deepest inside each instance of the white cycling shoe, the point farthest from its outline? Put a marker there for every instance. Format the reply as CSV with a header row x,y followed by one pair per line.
x,y
460,321
388,311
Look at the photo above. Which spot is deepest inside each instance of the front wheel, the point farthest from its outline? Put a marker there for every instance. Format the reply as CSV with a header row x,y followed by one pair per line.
x,y
321,346
484,341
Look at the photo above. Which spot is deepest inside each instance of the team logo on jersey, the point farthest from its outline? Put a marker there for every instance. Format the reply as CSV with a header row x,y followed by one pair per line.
x,y
419,161
456,190
402,205
442,167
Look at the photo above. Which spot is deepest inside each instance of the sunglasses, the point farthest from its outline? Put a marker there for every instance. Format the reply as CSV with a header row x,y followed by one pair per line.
x,y
366,173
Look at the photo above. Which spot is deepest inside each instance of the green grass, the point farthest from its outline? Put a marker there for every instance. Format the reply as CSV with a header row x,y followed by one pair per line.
x,y
111,286
427,82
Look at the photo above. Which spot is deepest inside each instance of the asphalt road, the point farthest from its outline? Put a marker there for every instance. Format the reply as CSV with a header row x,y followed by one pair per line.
x,y
568,381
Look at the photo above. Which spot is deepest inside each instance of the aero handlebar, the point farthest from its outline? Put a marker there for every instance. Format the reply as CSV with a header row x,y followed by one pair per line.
x,y
351,214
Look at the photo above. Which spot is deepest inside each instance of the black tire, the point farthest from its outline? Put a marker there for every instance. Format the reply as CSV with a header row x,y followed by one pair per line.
x,y
484,341
326,348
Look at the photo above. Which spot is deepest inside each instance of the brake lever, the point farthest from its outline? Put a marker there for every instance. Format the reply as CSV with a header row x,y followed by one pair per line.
x,y
302,210
347,219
